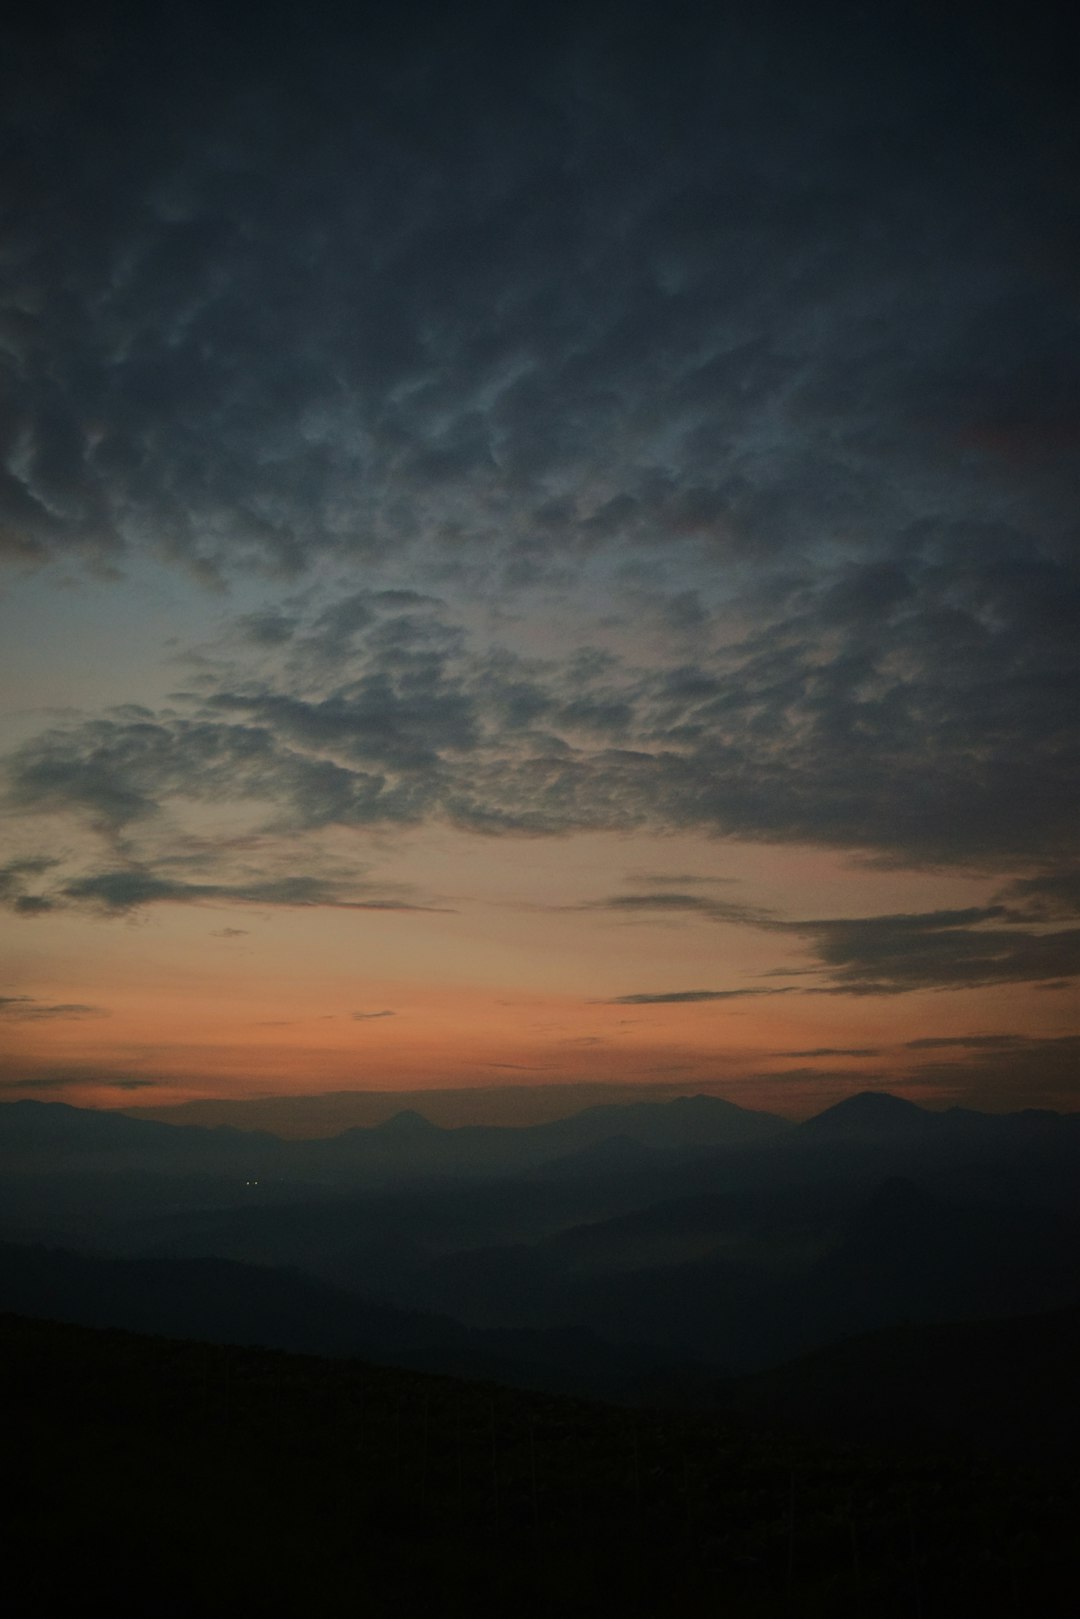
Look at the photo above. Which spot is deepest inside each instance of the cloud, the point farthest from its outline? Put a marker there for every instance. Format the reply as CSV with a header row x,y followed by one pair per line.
x,y
229,933
303,327
13,885
270,627
1048,895
74,1079
810,728
836,1051
32,905
675,881
121,891
517,1067
688,996
889,955
27,1009
239,871
725,323
679,903
1007,1072
367,1017
973,1042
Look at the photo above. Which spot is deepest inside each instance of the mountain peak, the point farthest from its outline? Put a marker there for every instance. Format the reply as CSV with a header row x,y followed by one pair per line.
x,y
407,1123
869,1110
699,1102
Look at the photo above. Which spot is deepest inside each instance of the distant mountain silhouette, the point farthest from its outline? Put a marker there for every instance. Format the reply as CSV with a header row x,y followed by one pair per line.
x,y
611,1155
216,1299
47,1136
408,1125
870,1112
687,1121
31,1130
222,1301
708,1232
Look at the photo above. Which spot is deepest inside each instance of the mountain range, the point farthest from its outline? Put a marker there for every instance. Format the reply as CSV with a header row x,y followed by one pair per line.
x,y
617,1243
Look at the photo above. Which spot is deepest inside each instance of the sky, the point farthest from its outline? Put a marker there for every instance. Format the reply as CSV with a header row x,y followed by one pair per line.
x,y
539,551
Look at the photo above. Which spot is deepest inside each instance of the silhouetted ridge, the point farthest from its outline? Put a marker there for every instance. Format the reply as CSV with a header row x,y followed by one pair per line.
x,y
408,1123
29,1123
684,1121
868,1110
253,1482
994,1384
897,1198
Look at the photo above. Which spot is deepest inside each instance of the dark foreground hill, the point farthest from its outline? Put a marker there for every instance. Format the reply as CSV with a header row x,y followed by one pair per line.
x,y
219,1301
189,1479
1003,1387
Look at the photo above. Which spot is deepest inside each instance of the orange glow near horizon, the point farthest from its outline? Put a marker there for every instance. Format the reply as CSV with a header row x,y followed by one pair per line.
x,y
517,980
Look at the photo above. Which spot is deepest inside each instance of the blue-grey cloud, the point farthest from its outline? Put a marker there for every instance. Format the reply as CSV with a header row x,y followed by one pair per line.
x,y
17,877
995,1073
891,955
28,1009
663,902
675,881
74,1078
835,1051
505,286
1047,895
121,891
767,739
971,1042
680,997
715,320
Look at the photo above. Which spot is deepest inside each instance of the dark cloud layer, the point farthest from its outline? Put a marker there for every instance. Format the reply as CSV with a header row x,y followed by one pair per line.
x,y
836,1051
1000,1073
890,955
862,958
887,746
757,328
887,955
27,1009
343,282
126,890
72,1078
670,901
682,997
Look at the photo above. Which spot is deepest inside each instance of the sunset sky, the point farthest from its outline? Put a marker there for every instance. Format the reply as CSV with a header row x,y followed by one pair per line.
x,y
539,550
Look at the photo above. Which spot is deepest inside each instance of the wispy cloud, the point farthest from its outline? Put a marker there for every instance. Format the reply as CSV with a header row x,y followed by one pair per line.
x,y
972,1042
121,890
835,1051
689,996
27,1009
778,388
891,955
61,1079
1006,1071
671,901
